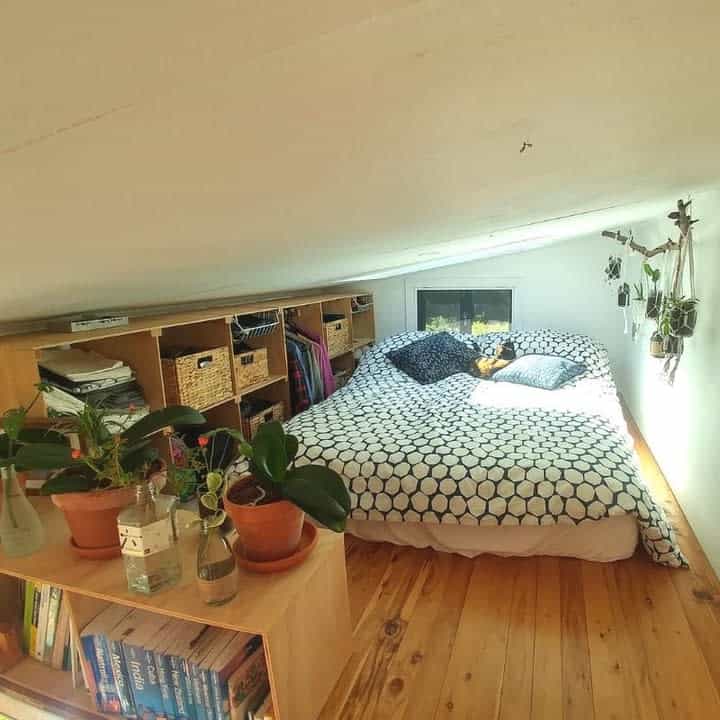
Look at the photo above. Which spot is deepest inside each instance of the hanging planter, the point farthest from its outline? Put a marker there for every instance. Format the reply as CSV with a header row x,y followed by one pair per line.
x,y
682,316
656,345
655,297
623,295
613,269
672,345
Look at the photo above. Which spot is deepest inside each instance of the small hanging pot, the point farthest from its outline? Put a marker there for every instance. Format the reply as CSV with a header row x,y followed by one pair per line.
x,y
672,345
613,268
683,318
654,303
656,345
623,295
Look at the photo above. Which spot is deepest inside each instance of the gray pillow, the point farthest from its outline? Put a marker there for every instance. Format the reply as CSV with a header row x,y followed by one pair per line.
x,y
546,372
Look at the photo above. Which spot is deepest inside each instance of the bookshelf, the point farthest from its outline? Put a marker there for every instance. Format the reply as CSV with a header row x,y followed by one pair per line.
x,y
302,615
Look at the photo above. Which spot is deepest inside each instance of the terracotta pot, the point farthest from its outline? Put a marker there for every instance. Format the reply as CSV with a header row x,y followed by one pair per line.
x,y
266,532
92,516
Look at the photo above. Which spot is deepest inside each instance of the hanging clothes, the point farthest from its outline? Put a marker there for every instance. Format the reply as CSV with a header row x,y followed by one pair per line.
x,y
297,377
326,370
311,379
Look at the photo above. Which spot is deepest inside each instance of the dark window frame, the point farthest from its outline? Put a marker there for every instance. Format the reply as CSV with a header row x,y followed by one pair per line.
x,y
467,303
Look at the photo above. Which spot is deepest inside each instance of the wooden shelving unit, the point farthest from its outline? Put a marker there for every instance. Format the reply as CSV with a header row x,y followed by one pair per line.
x,y
302,615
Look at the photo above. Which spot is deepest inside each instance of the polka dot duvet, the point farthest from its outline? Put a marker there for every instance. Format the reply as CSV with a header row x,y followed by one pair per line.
x,y
477,452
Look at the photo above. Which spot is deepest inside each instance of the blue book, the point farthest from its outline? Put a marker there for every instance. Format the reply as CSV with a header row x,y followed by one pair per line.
x,y
185,638
122,679
201,697
159,648
97,651
204,665
224,664
142,630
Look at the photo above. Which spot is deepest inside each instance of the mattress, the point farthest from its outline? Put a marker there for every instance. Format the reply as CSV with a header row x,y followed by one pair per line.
x,y
606,540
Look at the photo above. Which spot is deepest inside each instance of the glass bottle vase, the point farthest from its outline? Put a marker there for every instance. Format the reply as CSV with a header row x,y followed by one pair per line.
x,y
21,530
217,573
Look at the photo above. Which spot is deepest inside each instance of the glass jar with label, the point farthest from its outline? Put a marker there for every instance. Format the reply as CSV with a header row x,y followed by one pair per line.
x,y
148,540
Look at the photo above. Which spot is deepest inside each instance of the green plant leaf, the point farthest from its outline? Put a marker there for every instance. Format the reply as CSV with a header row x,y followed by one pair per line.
x,y
246,449
159,419
77,480
321,493
214,481
44,456
12,422
209,500
137,456
216,520
269,453
291,447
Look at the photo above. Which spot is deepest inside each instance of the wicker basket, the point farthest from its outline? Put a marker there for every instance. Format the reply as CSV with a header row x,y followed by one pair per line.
x,y
199,379
337,333
251,367
251,423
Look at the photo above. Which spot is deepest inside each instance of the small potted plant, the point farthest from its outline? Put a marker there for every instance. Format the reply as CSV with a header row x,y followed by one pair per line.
x,y
657,345
623,295
671,344
654,299
682,316
268,505
96,481
638,308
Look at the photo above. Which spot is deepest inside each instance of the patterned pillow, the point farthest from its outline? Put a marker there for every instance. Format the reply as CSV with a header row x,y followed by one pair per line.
x,y
432,358
547,372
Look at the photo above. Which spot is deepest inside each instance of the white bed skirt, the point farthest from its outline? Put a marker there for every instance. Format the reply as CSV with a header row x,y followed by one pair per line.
x,y
605,540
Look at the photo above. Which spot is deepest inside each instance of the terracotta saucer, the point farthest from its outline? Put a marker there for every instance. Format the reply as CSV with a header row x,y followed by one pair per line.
x,y
101,553
308,540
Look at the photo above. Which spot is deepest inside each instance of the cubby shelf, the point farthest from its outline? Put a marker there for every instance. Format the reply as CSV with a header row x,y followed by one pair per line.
x,y
302,615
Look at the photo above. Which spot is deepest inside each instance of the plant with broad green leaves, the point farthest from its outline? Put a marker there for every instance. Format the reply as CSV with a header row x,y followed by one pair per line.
x,y
315,489
107,460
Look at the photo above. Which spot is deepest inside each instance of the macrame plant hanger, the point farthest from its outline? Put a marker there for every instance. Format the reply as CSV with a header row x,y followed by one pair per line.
x,y
675,308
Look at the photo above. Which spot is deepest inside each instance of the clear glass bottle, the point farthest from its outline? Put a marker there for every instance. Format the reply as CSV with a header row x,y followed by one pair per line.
x,y
149,542
217,573
21,530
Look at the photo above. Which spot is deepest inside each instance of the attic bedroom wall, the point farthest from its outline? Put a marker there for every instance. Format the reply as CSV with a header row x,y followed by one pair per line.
x,y
559,286
681,423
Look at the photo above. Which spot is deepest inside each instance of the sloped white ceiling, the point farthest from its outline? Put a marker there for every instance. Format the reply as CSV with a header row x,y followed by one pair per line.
x,y
154,152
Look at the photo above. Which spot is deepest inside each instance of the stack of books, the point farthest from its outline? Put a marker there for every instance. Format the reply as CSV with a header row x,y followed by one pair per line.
x,y
83,377
46,625
147,666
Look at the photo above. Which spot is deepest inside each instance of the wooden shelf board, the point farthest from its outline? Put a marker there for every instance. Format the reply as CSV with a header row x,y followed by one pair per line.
x,y
362,310
341,353
271,380
37,681
260,602
232,398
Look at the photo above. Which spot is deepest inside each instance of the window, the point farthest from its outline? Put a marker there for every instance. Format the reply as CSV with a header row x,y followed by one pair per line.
x,y
466,311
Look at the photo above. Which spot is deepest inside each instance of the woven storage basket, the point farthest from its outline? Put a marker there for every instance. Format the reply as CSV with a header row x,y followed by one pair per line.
x,y
337,333
199,380
251,367
252,423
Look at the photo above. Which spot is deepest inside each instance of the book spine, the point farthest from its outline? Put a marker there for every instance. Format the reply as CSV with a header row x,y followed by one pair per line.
x,y
143,681
109,699
92,673
221,696
39,650
34,620
121,678
207,693
27,613
183,700
67,649
162,666
196,685
52,621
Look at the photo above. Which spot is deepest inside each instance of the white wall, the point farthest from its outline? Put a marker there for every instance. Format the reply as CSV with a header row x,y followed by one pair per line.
x,y
681,423
561,286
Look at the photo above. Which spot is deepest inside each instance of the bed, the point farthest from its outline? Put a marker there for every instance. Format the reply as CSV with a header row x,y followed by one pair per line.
x,y
471,466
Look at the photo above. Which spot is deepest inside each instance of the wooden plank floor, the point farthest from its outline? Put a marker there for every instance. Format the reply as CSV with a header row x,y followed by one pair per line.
x,y
441,636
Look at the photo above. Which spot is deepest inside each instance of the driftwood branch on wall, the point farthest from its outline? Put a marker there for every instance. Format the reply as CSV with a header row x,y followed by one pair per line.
x,y
647,252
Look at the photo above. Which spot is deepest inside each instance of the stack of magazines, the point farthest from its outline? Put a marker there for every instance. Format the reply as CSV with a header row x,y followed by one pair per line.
x,y
84,377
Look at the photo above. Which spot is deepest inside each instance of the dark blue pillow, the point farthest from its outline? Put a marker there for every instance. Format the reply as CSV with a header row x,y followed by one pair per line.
x,y
547,372
432,358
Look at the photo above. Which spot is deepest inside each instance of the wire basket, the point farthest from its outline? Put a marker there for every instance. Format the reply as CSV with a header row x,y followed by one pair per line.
x,y
255,325
360,303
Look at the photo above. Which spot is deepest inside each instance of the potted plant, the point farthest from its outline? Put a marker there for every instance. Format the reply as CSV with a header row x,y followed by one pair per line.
x,y
97,480
21,530
671,344
654,299
638,308
268,506
682,316
623,295
657,345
